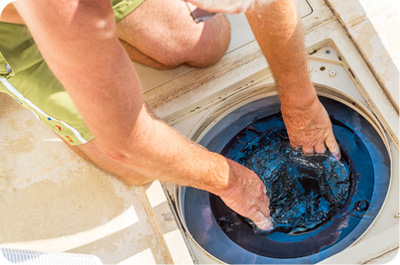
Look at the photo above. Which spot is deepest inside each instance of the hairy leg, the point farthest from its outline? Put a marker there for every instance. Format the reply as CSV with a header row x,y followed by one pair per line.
x,y
162,34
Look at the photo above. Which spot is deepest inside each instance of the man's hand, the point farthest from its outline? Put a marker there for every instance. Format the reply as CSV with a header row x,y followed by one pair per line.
x,y
246,195
310,129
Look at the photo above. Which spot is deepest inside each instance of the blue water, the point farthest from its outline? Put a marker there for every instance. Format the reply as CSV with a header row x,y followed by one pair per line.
x,y
303,191
310,197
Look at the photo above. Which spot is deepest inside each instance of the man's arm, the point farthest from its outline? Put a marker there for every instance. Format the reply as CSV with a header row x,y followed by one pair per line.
x,y
277,29
77,38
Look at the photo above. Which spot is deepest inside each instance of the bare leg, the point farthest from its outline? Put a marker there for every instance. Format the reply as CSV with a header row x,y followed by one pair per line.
x,y
162,34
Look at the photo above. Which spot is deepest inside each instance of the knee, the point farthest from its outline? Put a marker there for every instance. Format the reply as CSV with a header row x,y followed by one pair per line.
x,y
202,48
213,44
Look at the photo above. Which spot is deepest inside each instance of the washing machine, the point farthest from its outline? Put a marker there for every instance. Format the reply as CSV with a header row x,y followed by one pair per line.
x,y
211,106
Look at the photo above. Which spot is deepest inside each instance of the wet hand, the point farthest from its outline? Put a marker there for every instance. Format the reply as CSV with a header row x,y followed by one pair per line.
x,y
246,195
310,129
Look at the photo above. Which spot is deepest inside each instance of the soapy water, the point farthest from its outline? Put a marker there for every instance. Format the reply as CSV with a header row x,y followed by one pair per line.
x,y
304,191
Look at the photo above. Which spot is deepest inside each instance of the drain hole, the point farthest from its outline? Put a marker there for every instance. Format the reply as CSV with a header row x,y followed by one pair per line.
x,y
362,205
322,68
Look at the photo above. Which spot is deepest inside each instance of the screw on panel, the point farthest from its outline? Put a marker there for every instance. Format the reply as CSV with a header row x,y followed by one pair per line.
x,y
332,73
310,68
397,215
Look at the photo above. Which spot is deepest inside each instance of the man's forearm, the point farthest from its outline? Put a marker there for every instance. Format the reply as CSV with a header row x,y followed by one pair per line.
x,y
277,29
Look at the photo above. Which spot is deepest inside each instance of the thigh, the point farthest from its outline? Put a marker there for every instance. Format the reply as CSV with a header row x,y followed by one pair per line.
x,y
164,30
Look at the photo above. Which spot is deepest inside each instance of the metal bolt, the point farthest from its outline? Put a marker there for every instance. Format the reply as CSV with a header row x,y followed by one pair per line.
x,y
397,215
332,73
310,68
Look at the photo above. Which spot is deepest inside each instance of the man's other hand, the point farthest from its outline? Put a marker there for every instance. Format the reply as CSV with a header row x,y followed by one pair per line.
x,y
310,129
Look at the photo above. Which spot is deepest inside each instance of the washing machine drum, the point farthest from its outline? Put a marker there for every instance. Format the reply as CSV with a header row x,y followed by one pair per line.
x,y
319,205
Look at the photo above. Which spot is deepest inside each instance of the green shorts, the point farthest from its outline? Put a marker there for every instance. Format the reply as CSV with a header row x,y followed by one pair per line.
x,y
25,76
